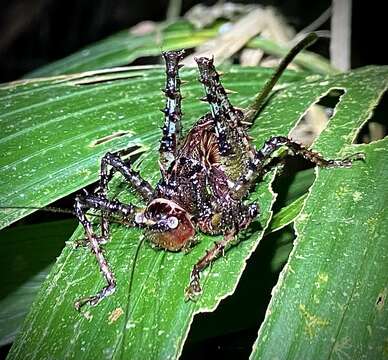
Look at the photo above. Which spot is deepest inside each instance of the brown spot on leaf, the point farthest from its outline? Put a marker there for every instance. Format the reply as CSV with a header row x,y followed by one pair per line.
x,y
115,314
110,137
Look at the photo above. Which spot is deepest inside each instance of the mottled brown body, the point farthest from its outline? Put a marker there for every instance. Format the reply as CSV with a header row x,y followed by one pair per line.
x,y
201,177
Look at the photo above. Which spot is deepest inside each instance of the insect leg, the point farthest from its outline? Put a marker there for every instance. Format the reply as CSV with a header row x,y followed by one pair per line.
x,y
194,288
80,207
216,95
141,186
228,124
240,217
262,157
172,111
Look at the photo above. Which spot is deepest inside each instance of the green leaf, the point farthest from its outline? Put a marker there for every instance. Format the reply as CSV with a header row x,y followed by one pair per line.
x,y
28,252
125,47
331,293
329,301
148,310
286,215
50,127
50,124
291,194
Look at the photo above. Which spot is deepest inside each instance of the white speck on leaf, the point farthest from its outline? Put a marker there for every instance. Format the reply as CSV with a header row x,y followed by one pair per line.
x,y
357,196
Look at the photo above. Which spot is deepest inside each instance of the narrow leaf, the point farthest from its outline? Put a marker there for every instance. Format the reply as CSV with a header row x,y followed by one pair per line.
x,y
329,299
125,47
148,310
286,215
28,252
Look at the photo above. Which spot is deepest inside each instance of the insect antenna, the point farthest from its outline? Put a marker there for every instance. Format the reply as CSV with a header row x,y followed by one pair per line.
x,y
50,209
53,209
252,111
137,252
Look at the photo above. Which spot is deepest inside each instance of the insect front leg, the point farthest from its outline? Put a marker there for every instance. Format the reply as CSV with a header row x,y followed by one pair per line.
x,y
141,186
258,164
172,112
194,289
82,204
236,219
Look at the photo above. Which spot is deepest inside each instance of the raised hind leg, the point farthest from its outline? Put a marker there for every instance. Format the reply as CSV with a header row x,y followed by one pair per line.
x,y
228,121
172,110
225,115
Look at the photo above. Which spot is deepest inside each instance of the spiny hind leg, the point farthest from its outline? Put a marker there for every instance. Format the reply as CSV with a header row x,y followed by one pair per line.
x,y
228,120
172,111
258,164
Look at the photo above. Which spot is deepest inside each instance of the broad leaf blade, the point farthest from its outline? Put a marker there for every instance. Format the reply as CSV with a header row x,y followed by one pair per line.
x,y
148,311
326,304
333,287
50,128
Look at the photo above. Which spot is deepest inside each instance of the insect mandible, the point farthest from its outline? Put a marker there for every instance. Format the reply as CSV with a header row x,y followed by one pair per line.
x,y
206,176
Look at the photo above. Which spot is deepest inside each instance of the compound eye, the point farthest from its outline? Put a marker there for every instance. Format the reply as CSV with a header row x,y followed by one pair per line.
x,y
139,218
172,222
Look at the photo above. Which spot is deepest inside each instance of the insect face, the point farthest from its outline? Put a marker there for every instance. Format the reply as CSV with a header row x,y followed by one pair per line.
x,y
171,227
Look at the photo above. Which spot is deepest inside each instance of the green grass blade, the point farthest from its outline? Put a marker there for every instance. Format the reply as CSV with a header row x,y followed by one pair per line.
x,y
328,301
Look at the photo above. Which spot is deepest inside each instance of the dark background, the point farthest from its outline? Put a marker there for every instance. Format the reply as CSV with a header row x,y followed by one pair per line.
x,y
37,32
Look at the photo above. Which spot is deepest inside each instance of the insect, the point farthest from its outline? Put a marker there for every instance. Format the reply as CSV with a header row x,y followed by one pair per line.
x,y
206,176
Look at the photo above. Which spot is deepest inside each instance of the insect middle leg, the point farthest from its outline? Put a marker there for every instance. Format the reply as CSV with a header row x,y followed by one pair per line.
x,y
82,204
258,164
